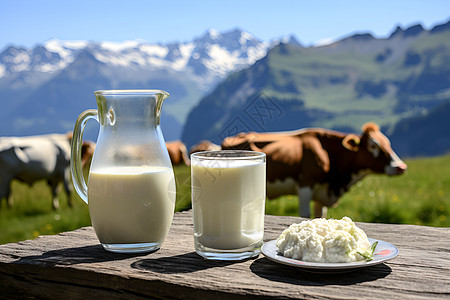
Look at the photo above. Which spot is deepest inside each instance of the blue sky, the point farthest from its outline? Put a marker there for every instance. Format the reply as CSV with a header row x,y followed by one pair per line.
x,y
31,22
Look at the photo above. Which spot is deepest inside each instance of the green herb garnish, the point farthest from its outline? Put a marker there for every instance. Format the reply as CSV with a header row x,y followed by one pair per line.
x,y
368,255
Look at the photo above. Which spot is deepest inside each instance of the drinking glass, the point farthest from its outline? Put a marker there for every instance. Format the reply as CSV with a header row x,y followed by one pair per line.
x,y
228,201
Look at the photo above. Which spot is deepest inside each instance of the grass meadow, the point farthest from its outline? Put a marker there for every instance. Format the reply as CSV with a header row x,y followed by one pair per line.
x,y
421,197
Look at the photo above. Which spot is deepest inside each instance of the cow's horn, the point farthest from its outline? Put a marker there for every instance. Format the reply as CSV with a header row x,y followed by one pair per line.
x,y
370,127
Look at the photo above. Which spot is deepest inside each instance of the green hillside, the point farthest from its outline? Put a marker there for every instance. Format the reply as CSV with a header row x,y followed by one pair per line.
x,y
339,86
424,135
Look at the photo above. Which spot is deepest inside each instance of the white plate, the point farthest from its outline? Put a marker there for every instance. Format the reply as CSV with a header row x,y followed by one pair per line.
x,y
383,252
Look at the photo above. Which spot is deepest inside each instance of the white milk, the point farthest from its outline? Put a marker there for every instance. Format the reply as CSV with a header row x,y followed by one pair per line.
x,y
228,203
131,204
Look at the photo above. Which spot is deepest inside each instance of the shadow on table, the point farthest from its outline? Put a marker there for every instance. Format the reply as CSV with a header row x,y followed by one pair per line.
x,y
267,269
76,255
183,263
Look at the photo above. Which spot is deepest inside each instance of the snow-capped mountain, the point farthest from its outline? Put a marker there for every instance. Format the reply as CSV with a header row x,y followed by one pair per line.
x,y
59,75
208,58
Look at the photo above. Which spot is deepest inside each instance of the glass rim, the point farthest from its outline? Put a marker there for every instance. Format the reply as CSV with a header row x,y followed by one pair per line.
x,y
228,155
130,92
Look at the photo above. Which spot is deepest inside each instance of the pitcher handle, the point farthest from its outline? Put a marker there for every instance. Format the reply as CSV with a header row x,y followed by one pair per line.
x,y
76,169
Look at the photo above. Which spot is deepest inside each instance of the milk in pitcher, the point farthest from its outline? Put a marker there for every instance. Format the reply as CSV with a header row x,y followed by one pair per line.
x,y
131,204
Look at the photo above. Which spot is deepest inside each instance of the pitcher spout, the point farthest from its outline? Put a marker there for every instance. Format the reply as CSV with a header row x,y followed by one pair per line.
x,y
120,108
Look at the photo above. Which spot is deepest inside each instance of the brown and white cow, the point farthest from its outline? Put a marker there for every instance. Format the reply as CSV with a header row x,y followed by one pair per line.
x,y
318,164
33,158
178,153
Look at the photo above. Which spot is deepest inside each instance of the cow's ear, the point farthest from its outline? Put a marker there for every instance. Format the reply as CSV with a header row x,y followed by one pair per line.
x,y
351,142
69,135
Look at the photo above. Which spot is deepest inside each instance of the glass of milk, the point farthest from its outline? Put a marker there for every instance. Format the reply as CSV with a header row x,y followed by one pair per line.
x,y
228,202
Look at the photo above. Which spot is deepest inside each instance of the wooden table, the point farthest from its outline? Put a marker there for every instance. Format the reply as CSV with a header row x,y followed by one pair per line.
x,y
72,265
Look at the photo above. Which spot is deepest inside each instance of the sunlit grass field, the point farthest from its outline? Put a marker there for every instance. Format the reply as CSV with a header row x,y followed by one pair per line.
x,y
421,196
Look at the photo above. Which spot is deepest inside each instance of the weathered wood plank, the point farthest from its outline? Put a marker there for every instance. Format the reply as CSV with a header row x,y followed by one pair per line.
x,y
72,265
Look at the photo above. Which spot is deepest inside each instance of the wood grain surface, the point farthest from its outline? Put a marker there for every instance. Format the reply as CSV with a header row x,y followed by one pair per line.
x,y
73,265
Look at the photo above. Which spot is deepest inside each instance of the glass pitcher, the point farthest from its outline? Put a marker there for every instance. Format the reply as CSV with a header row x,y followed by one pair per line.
x,y
131,185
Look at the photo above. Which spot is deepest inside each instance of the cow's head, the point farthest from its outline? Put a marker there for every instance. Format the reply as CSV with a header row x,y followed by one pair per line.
x,y
87,149
374,151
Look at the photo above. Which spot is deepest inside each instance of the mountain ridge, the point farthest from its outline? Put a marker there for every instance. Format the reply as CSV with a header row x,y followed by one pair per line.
x,y
44,88
338,86
56,55
185,69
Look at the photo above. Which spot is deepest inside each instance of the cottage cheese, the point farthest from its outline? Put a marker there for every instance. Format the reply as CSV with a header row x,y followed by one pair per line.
x,y
321,240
